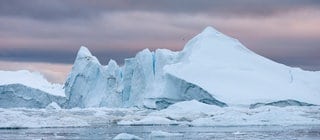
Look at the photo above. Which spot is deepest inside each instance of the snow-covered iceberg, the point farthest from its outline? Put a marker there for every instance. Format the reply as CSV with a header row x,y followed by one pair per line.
x,y
27,89
233,74
213,68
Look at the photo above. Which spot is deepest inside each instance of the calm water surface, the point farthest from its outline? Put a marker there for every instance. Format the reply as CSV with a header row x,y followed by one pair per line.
x,y
219,132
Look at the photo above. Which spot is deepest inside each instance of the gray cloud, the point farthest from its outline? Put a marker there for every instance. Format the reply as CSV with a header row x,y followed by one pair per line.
x,y
87,9
52,31
62,56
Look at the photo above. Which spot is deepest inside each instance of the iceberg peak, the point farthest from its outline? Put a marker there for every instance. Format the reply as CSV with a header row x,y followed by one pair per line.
x,y
112,63
210,41
83,52
210,31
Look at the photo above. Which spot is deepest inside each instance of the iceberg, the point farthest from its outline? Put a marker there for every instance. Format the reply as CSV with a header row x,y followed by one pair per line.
x,y
213,68
140,82
28,89
213,81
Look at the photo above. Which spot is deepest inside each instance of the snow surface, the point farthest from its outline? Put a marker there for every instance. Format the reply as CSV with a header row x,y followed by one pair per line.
x,y
31,79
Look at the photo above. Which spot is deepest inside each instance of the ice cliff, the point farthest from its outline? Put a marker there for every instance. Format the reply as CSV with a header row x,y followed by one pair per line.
x,y
213,68
92,85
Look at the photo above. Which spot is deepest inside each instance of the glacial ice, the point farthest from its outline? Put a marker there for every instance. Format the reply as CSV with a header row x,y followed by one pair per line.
x,y
92,85
28,89
141,82
31,79
213,68
189,87
18,95
234,75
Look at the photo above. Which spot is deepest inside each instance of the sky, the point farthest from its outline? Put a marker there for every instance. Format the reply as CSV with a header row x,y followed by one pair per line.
x,y
44,36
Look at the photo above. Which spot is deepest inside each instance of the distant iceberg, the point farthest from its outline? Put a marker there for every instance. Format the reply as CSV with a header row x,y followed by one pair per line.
x,y
27,89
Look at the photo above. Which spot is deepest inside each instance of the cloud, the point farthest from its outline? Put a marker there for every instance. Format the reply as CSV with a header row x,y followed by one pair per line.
x,y
52,31
88,9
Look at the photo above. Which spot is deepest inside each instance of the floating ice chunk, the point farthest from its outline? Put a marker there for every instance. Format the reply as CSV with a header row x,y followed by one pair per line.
x,y
282,103
187,110
160,133
126,136
53,106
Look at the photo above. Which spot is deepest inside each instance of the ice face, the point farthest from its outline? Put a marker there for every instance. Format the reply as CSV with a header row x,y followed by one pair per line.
x,y
92,85
142,76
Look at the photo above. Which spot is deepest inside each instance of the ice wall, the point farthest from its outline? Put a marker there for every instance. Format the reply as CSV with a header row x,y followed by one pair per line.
x,y
140,82
91,85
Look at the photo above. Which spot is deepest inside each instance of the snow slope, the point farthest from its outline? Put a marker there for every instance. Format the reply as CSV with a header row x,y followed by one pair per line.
x,y
32,80
233,74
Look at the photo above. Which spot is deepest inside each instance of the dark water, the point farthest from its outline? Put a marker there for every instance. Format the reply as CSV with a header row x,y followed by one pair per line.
x,y
108,132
